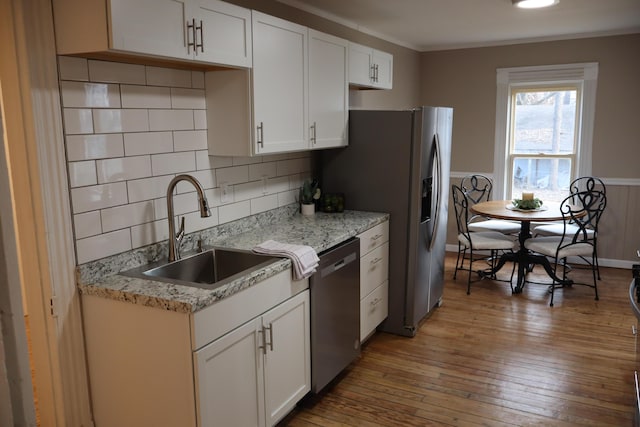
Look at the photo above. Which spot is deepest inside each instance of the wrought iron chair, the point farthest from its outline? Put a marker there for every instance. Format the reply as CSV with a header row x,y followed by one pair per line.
x,y
478,189
585,183
492,241
581,213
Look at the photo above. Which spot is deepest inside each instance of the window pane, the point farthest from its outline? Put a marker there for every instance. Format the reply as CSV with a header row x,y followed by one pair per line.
x,y
544,122
548,179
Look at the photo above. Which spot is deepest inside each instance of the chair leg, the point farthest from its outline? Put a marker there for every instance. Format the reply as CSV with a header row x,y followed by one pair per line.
x,y
459,265
597,264
470,266
594,268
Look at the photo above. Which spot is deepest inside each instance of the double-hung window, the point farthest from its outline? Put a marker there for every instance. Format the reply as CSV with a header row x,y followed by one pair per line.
x,y
544,127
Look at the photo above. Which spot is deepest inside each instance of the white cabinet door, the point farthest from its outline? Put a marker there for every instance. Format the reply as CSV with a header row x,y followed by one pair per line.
x,y
369,67
360,62
155,27
229,377
328,90
225,34
280,88
383,73
287,365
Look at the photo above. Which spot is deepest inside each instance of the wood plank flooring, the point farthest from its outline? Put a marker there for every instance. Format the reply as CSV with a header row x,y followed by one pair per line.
x,y
495,359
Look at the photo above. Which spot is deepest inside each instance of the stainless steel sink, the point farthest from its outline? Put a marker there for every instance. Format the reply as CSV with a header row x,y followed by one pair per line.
x,y
208,270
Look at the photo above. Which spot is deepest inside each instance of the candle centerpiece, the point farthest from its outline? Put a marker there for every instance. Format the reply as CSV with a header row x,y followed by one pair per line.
x,y
528,202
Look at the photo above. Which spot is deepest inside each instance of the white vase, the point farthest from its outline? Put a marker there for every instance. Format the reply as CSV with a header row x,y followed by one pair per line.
x,y
309,209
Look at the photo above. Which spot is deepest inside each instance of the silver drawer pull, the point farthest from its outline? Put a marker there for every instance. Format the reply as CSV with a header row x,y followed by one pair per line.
x,y
376,301
376,237
634,330
375,261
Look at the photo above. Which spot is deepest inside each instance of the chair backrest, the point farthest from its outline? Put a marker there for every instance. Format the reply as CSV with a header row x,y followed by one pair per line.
x,y
477,188
461,208
587,183
581,213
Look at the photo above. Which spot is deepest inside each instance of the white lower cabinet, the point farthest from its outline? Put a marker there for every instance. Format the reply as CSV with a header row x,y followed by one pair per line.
x,y
242,361
374,278
255,374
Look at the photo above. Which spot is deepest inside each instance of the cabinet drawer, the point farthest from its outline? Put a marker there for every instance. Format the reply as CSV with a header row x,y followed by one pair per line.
x,y
374,237
374,269
374,309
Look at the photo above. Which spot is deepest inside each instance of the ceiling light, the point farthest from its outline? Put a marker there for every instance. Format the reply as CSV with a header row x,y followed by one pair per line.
x,y
534,4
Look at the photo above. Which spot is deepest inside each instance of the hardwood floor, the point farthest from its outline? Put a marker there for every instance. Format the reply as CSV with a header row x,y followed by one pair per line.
x,y
496,359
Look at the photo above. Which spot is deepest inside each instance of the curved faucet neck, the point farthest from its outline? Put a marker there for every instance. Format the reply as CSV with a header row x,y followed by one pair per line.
x,y
175,239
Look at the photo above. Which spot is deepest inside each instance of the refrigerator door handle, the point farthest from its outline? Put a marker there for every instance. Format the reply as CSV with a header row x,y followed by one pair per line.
x,y
438,166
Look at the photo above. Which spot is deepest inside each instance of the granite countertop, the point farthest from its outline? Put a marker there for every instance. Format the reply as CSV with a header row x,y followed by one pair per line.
x,y
320,231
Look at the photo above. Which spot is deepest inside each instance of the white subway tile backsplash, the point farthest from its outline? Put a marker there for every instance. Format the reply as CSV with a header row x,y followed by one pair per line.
x,y
232,175
87,224
170,119
139,143
278,185
287,197
136,96
163,164
205,161
116,72
82,173
262,204
123,168
190,140
89,95
77,121
188,98
247,191
197,79
129,130
231,212
239,161
148,188
103,245
206,178
98,197
94,146
257,171
71,68
194,222
292,166
127,215
158,76
151,232
112,120
200,119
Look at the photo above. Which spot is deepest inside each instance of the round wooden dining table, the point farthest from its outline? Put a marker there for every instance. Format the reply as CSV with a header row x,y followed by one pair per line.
x,y
524,259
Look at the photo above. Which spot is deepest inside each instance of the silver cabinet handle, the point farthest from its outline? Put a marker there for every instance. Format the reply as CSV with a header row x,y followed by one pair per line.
x,y
375,261
372,73
313,133
261,134
375,74
195,35
376,301
634,330
191,31
266,342
376,237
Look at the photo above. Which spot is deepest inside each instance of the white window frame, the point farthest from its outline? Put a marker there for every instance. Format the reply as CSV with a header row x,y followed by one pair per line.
x,y
585,74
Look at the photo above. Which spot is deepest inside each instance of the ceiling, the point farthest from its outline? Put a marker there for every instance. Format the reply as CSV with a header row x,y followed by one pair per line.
x,y
425,25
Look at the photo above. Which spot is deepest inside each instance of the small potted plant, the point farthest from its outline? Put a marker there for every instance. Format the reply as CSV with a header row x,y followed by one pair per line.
x,y
309,193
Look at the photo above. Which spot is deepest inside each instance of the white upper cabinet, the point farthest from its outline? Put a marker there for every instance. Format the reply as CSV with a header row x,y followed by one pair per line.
x,y
328,90
283,103
280,89
208,31
370,68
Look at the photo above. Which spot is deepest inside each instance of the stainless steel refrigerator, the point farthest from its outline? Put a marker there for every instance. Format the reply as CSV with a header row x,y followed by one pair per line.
x,y
398,162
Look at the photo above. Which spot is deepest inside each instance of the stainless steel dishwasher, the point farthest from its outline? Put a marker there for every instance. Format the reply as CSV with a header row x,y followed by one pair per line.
x,y
335,313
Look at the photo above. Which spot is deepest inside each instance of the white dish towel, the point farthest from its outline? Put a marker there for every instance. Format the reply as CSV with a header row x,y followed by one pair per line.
x,y
304,258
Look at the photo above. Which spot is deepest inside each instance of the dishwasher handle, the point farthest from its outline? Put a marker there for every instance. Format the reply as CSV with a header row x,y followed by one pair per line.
x,y
343,262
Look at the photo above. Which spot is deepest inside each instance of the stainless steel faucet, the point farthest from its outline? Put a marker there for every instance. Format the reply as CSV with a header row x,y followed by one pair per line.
x,y
175,239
